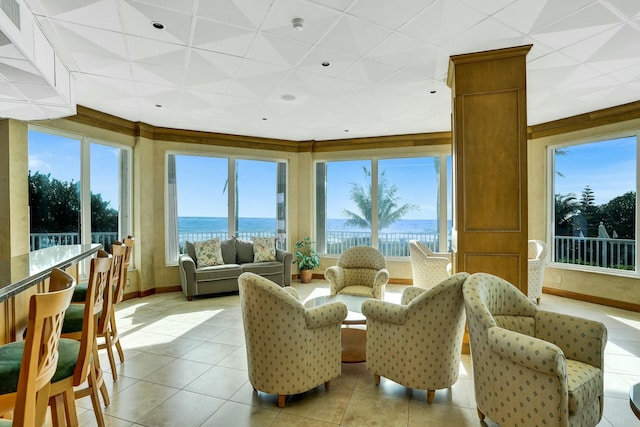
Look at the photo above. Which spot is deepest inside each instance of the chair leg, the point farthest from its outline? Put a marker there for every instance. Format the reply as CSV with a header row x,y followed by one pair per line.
x,y
431,394
95,400
327,384
98,377
281,399
112,359
538,300
376,379
70,408
115,337
480,414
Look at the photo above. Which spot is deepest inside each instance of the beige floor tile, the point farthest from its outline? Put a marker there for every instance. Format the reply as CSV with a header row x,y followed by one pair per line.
x,y
135,402
219,382
287,420
366,409
238,414
210,352
236,360
184,409
442,415
142,365
88,419
158,378
178,373
319,404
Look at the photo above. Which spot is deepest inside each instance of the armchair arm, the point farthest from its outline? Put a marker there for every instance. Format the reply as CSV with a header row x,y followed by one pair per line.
x,y
379,281
325,315
287,260
580,339
409,293
187,268
335,276
529,352
292,291
384,311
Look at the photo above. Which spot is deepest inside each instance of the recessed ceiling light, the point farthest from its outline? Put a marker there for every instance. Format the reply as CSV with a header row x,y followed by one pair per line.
x,y
326,63
298,24
433,91
346,130
159,105
288,97
264,118
158,25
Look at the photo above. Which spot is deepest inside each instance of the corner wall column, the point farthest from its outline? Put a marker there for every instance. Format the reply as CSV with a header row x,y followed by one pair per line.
x,y
489,127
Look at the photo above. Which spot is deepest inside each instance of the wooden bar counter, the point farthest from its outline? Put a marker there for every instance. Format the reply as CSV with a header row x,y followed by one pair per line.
x,y
22,276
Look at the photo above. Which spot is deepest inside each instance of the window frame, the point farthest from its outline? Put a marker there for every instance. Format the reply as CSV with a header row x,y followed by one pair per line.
x,y
231,170
550,200
445,193
125,164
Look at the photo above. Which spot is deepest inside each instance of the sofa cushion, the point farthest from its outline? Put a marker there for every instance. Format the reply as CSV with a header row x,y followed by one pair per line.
x,y
218,272
208,253
191,251
228,248
263,268
244,251
264,249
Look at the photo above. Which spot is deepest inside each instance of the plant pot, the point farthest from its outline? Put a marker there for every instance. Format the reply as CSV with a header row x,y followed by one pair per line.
x,y
305,276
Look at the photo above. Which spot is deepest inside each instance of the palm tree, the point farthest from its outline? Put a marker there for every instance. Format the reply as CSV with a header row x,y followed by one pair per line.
x,y
388,209
566,208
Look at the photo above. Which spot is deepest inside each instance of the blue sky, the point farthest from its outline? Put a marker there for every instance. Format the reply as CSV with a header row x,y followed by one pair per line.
x,y
608,168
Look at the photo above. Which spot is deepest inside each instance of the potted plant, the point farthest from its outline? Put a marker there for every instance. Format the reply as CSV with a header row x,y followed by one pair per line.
x,y
306,258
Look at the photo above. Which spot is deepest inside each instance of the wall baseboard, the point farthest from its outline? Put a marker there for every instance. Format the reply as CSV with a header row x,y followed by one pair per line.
x,y
593,299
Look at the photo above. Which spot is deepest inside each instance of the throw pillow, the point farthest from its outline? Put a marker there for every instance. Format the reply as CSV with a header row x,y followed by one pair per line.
x,y
208,253
264,249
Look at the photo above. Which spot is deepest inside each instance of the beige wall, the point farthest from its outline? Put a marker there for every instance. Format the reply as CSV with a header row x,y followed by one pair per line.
x,y
149,182
615,285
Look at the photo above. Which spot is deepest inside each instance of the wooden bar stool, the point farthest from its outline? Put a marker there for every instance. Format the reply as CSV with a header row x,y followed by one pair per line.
x,y
80,365
119,295
105,322
28,366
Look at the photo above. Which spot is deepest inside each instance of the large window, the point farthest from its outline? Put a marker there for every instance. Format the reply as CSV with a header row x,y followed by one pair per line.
x,y
594,204
79,190
383,203
218,197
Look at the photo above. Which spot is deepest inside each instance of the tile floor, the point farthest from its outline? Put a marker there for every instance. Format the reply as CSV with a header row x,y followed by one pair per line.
x,y
186,366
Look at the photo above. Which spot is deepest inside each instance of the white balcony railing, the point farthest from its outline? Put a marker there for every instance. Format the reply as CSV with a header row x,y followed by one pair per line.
x,y
596,252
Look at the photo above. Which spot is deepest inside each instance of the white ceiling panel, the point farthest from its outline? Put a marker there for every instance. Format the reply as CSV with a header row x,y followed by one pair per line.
x,y
225,65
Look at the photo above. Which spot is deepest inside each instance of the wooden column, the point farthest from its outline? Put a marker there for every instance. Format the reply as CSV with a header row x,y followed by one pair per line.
x,y
489,126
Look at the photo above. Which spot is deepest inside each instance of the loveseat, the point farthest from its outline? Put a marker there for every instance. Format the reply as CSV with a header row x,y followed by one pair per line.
x,y
221,262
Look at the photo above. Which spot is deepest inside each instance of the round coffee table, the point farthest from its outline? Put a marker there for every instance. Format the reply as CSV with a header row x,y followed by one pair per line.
x,y
634,399
354,335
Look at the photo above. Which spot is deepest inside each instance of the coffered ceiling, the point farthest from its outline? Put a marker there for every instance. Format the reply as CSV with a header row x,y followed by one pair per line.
x,y
239,66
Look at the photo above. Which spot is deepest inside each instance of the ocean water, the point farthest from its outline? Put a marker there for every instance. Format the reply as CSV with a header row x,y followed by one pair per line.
x,y
190,224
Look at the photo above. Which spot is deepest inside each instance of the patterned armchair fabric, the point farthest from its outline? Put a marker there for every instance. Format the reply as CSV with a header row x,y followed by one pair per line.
x,y
428,268
290,349
360,270
532,367
418,343
537,254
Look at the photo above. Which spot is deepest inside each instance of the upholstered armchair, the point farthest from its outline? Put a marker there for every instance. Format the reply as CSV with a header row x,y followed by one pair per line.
x,y
427,267
532,367
419,342
537,254
290,348
360,270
